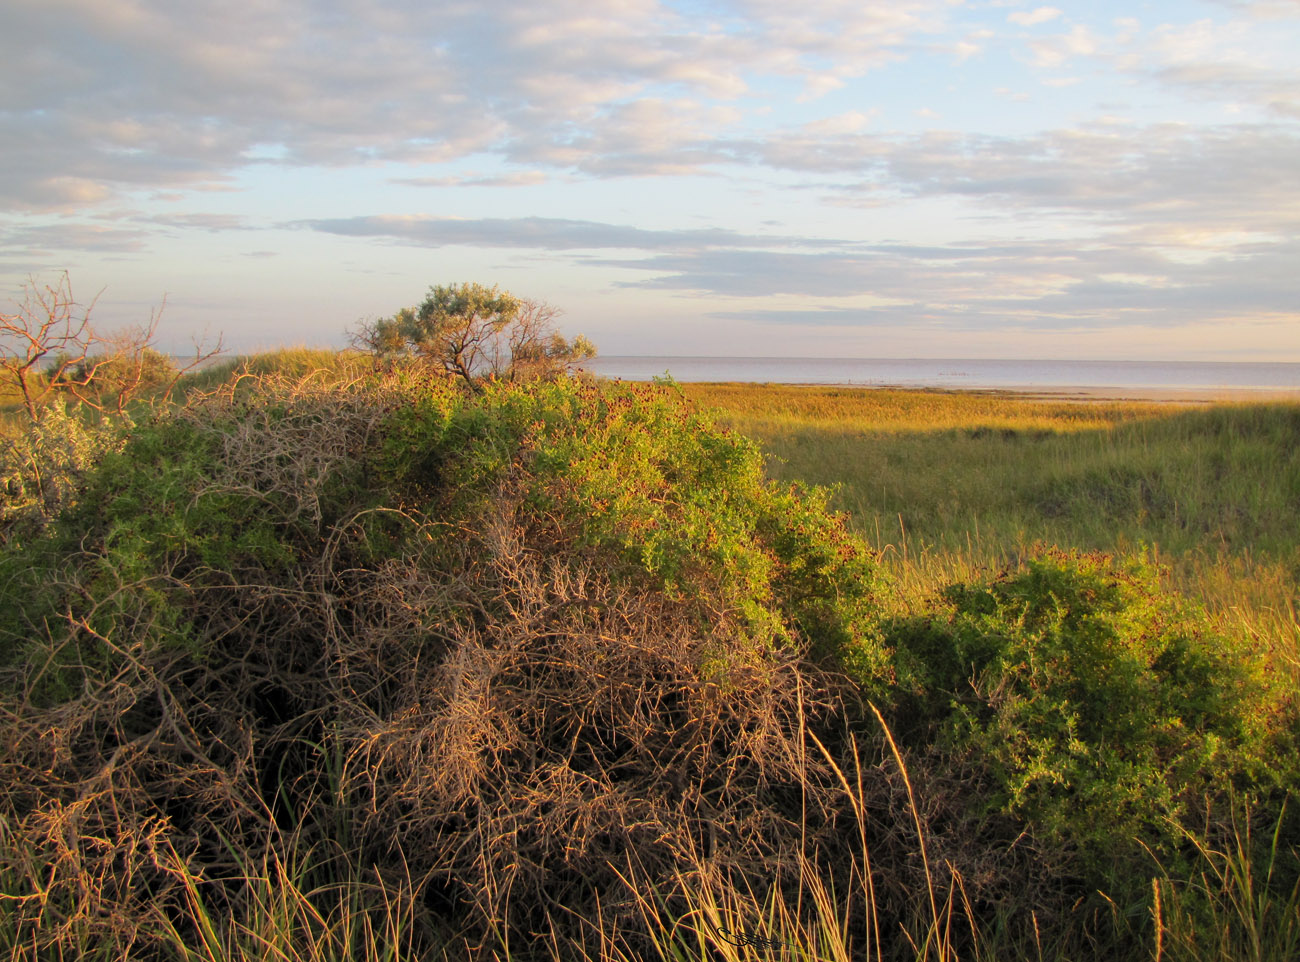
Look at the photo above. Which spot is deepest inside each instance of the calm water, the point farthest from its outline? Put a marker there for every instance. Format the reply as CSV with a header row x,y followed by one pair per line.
x,y
958,373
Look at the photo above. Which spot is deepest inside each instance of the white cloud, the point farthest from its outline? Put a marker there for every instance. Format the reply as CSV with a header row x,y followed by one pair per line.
x,y
1055,51
107,97
528,178
1239,63
543,233
1267,10
129,109
1029,18
852,122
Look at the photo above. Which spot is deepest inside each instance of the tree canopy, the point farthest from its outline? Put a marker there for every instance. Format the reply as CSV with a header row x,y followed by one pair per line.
x,y
475,332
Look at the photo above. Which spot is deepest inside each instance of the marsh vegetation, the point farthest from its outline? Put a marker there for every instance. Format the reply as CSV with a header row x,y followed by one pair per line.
x,y
316,661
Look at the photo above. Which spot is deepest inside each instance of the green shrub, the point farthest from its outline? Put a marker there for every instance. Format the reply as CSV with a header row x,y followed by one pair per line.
x,y
639,471
43,465
584,605
1103,711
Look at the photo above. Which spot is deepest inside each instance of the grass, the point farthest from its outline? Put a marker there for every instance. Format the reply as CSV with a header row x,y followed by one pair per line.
x,y
297,361
948,484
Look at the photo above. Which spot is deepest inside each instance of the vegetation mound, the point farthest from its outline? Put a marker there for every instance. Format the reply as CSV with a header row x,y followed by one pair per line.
x,y
1098,710
351,663
510,650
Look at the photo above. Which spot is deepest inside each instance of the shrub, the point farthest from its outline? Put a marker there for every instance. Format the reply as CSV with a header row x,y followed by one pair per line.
x,y
1101,711
473,333
509,647
42,467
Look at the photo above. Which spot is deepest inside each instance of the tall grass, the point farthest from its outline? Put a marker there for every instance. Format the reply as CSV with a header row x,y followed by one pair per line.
x,y
1227,910
298,361
946,485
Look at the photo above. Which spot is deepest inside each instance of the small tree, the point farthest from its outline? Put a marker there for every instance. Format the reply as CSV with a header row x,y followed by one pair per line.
x,y
47,322
98,370
476,332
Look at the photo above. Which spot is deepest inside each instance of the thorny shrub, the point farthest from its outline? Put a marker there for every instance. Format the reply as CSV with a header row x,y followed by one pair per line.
x,y
518,646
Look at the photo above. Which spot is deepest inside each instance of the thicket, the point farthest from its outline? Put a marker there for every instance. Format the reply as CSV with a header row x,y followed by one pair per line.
x,y
513,645
1098,710
543,662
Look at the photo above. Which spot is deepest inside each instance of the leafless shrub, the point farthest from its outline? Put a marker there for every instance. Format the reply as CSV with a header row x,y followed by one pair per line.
x,y
103,371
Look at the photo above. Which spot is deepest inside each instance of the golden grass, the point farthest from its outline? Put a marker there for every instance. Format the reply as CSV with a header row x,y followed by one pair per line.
x,y
948,485
767,408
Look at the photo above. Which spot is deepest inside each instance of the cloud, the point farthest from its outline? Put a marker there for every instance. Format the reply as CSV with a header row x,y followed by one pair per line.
x,y
120,113
1267,10
1218,178
825,316
102,99
38,239
1030,18
541,233
196,221
1039,286
527,178
1057,50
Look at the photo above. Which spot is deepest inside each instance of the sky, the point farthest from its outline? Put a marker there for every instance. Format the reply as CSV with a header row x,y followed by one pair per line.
x,y
763,178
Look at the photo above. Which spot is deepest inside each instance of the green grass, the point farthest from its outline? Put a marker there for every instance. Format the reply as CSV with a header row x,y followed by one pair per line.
x,y
945,484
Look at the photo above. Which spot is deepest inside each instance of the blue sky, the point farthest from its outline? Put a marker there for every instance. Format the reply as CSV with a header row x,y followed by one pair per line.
x,y
828,178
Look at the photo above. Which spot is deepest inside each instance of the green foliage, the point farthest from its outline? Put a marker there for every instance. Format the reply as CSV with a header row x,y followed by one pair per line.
x,y
637,475
641,472
1104,710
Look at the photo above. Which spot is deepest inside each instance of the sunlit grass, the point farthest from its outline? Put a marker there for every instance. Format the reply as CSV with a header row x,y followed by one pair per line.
x,y
767,409
946,485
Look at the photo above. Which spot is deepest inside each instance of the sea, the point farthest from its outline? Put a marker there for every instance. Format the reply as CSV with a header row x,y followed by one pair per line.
x,y
962,374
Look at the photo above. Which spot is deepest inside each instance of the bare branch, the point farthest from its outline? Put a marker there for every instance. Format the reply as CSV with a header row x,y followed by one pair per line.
x,y
48,321
100,371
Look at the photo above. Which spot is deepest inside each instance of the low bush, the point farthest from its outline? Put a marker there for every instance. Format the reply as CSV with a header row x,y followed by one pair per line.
x,y
43,465
1099,712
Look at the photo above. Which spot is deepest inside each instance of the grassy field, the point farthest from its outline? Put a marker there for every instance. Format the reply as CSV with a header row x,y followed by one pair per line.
x,y
945,484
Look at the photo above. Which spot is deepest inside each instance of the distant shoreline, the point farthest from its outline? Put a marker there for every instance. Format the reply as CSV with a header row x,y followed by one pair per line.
x,y
1175,395
1082,393
1086,393
1186,382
